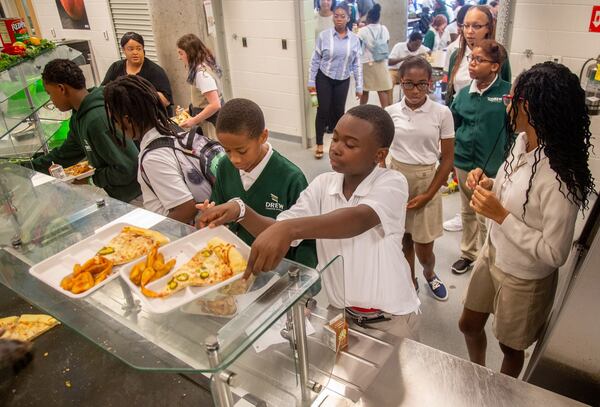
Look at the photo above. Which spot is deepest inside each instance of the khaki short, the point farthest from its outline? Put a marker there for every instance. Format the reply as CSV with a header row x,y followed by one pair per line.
x,y
376,77
395,76
424,224
520,306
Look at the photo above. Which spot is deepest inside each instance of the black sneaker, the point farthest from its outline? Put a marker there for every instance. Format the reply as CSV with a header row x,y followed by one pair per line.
x,y
462,266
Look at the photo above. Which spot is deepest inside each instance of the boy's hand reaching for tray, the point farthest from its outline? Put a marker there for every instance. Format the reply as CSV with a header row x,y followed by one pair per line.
x,y
269,249
213,216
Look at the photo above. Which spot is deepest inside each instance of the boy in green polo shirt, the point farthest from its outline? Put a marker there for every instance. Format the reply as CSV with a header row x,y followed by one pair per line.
x,y
480,120
254,172
115,160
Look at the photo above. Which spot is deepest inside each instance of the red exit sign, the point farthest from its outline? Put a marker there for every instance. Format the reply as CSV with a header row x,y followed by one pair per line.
x,y
595,20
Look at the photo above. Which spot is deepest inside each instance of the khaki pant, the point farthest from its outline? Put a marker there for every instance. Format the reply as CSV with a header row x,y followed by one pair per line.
x,y
402,326
474,229
395,75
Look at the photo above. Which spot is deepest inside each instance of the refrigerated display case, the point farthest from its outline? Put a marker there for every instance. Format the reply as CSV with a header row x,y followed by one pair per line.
x,y
29,122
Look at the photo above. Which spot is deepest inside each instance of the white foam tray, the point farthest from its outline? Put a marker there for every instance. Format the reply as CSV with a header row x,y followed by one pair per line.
x,y
83,175
52,270
183,250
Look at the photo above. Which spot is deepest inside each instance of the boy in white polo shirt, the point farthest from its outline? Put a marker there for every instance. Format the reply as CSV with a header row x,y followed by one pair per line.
x,y
358,212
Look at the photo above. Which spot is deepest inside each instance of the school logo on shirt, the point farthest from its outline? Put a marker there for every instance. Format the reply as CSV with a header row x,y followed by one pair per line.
x,y
86,146
494,99
274,205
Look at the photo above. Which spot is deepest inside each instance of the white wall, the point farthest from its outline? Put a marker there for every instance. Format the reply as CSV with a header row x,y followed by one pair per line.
x,y
99,17
556,28
263,71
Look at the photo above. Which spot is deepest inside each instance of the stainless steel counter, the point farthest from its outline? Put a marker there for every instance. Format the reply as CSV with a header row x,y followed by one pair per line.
x,y
408,373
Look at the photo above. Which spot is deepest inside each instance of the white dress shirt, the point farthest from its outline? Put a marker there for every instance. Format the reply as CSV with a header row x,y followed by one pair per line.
x,y
248,178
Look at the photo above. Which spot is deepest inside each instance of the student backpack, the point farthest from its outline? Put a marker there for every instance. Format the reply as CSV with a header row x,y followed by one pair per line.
x,y
202,157
379,48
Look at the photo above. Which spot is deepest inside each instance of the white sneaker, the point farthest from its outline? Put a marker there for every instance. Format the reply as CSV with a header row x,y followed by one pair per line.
x,y
454,224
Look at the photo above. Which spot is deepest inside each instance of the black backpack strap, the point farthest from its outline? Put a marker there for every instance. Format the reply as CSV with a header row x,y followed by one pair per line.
x,y
160,142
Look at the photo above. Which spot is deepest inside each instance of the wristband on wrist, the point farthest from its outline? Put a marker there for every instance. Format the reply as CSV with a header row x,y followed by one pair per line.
x,y
242,206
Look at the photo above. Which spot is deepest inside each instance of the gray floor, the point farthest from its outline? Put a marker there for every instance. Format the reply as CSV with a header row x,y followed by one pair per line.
x,y
439,319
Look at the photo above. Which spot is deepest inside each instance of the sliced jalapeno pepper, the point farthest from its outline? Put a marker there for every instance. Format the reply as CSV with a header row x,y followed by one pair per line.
x,y
182,277
106,250
172,284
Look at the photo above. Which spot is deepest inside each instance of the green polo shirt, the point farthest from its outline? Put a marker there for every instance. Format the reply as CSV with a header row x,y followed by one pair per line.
x,y
505,73
276,189
480,123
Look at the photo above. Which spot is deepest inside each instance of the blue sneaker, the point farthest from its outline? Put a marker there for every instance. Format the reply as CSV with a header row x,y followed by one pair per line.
x,y
438,289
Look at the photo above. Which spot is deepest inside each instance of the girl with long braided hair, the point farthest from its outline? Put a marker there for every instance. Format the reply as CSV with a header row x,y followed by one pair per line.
x,y
170,183
532,206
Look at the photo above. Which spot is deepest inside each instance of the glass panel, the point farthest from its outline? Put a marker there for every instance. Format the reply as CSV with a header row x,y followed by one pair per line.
x,y
22,92
111,317
272,373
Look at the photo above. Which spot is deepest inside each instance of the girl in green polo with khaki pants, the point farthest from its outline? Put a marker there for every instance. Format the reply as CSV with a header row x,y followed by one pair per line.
x,y
479,119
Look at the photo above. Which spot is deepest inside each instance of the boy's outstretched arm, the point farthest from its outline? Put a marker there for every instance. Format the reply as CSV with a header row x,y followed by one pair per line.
x,y
272,244
213,216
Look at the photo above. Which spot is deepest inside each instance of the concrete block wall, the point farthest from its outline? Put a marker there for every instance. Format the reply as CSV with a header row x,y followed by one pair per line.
x,y
263,71
556,28
190,18
101,32
309,29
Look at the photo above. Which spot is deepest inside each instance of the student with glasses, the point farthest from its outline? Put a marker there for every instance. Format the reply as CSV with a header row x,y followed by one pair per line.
x,y
136,63
479,118
479,25
424,135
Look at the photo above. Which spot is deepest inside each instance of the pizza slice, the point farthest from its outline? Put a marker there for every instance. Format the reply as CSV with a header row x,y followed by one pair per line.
x,y
216,262
131,243
30,326
182,115
8,323
78,169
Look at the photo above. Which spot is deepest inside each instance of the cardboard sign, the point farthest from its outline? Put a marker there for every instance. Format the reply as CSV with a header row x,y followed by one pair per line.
x,y
595,20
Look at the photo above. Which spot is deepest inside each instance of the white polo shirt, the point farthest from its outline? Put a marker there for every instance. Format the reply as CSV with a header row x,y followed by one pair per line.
x,y
418,132
163,170
533,246
401,50
368,35
374,273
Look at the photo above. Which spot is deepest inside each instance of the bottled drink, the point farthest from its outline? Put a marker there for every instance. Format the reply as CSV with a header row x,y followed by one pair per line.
x,y
57,171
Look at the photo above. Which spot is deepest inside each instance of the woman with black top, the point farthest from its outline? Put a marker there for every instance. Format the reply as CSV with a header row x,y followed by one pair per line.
x,y
136,63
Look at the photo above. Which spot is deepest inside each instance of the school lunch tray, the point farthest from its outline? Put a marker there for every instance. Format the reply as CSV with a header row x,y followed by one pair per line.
x,y
52,270
183,250
71,178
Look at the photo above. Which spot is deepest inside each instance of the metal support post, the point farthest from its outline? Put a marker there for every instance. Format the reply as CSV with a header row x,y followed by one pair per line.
x,y
299,326
222,379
